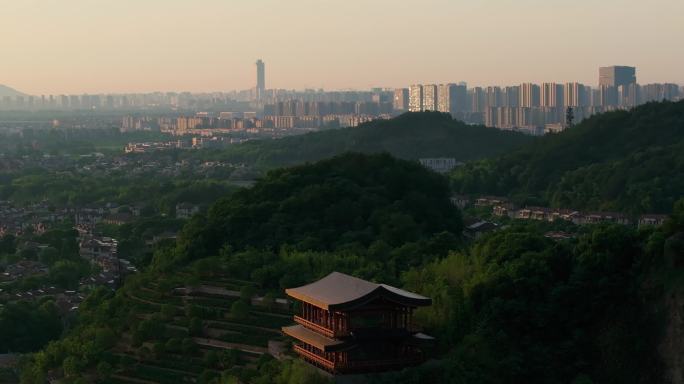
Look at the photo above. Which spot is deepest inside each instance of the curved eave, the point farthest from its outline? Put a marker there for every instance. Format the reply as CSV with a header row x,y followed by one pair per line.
x,y
338,291
379,292
382,292
293,293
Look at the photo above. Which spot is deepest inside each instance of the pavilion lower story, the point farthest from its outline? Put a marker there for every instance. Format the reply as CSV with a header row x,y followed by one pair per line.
x,y
360,359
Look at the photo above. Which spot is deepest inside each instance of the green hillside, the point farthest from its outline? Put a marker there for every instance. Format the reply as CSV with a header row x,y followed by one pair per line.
x,y
630,161
409,136
205,310
510,307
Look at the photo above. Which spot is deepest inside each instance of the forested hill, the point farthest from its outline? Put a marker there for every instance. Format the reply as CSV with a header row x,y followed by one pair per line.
x,y
350,201
630,161
409,136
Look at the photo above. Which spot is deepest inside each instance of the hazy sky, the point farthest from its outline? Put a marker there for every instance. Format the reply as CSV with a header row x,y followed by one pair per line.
x,y
74,46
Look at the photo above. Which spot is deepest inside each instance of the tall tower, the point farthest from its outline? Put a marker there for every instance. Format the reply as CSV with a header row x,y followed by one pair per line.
x,y
616,76
261,79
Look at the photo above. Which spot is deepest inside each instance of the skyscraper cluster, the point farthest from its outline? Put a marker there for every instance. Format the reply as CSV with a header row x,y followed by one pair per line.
x,y
451,98
531,105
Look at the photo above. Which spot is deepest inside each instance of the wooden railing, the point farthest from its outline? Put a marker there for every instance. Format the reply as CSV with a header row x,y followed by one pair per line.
x,y
314,358
315,327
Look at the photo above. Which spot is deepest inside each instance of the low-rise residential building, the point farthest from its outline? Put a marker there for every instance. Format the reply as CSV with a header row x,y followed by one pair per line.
x,y
118,219
441,164
503,209
486,201
94,248
558,235
460,201
602,217
186,210
652,220
479,228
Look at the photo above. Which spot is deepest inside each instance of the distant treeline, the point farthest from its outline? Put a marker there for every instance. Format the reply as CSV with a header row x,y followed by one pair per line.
x,y
409,136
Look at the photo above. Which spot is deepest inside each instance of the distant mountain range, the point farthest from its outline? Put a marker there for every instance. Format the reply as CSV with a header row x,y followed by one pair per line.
x,y
7,91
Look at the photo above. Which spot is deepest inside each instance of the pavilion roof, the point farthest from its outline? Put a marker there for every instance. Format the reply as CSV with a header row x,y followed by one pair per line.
x,y
338,291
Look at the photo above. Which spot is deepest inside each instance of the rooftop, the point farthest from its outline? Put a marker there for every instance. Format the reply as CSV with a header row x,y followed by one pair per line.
x,y
339,291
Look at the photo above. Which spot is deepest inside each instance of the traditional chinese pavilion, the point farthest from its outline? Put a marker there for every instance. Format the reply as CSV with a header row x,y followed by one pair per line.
x,y
348,325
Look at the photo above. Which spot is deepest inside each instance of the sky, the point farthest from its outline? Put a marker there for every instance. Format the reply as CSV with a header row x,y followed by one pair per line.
x,y
117,46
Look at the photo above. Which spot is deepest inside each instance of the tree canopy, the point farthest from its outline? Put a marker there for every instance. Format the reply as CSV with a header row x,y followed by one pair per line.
x,y
350,200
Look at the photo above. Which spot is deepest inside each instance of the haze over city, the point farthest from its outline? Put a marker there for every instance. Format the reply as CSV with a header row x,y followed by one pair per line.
x,y
153,45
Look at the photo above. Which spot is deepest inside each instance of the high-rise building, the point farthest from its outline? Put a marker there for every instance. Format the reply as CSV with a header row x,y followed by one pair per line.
x,y
416,98
458,98
261,80
508,117
551,95
659,92
494,97
607,96
529,95
443,98
74,102
574,95
511,97
629,95
452,98
477,100
429,97
616,76
401,99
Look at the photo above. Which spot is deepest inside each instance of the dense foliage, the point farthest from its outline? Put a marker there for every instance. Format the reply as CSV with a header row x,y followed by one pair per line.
x,y
631,161
60,255
26,327
350,201
32,142
409,136
518,307
133,237
160,193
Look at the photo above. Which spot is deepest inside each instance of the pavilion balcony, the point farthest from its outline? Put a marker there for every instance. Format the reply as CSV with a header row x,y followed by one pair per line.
x,y
315,359
320,328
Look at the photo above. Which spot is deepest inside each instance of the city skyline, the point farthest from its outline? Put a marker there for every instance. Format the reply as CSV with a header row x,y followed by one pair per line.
x,y
606,77
80,47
